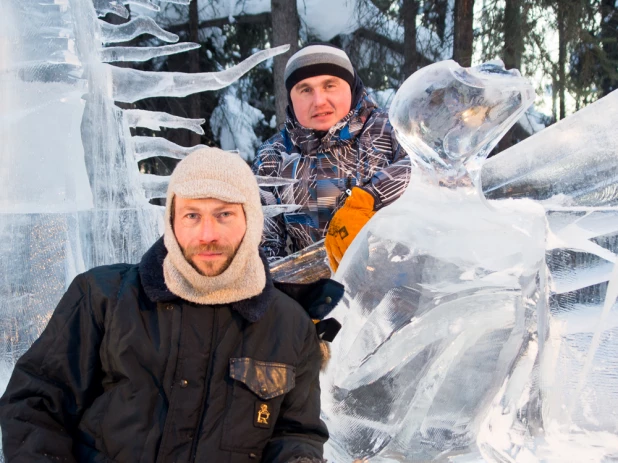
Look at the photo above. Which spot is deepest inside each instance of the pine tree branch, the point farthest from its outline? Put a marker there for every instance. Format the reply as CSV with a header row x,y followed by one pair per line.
x,y
364,33
261,18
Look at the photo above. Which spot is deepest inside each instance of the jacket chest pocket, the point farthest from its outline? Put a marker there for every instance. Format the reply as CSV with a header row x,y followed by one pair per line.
x,y
258,389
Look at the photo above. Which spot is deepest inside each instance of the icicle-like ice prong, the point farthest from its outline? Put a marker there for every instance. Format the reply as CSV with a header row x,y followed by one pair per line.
x,y
274,181
104,7
130,85
150,147
154,120
276,209
111,33
155,186
138,54
143,3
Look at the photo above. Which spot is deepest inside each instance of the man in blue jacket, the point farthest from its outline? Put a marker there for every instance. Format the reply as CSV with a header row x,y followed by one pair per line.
x,y
341,149
194,354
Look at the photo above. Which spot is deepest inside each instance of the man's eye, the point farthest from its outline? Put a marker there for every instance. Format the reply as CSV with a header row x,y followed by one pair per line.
x,y
191,216
226,214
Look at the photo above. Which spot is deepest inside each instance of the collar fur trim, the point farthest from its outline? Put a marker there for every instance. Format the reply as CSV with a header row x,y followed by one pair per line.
x,y
153,281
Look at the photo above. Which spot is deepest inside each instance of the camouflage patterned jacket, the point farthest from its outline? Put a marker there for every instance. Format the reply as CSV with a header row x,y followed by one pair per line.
x,y
360,150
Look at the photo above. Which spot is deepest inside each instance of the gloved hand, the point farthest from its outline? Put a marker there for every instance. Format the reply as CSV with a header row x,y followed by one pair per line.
x,y
346,223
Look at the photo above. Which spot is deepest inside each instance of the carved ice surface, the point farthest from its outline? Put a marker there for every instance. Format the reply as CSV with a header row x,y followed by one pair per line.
x,y
148,147
572,168
274,181
452,346
131,85
154,120
109,55
571,163
112,33
457,345
272,211
72,196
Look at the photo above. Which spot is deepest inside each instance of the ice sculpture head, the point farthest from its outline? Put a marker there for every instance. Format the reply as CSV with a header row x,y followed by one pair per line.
x,y
448,118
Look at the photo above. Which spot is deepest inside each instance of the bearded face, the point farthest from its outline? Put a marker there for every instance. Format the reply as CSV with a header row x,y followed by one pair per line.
x,y
209,232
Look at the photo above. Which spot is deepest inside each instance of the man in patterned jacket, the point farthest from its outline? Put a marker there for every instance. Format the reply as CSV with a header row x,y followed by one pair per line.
x,y
341,149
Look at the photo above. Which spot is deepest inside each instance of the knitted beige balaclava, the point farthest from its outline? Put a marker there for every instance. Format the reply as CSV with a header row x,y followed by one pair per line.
x,y
214,173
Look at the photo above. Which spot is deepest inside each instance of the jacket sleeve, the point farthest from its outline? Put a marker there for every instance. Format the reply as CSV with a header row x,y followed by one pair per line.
x,y
299,432
388,184
51,384
274,236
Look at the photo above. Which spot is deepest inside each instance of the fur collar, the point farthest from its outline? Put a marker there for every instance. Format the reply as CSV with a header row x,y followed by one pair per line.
x,y
153,281
318,298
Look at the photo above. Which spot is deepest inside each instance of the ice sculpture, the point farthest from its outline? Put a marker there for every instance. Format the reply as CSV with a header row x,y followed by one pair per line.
x,y
72,197
572,169
446,323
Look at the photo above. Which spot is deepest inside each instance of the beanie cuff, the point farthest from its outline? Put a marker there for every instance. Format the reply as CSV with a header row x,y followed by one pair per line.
x,y
318,69
209,188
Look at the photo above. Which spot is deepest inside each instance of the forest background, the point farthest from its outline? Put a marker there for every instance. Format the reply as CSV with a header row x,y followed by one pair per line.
x,y
568,48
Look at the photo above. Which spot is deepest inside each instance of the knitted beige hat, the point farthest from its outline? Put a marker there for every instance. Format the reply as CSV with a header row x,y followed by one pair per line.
x,y
214,173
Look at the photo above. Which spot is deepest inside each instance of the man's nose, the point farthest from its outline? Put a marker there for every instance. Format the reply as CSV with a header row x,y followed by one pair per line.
x,y
209,231
319,97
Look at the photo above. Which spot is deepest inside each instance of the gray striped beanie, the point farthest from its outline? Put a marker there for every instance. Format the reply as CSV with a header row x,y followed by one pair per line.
x,y
318,60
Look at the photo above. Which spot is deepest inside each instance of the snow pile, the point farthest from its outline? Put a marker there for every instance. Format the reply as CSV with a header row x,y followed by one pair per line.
x,y
233,122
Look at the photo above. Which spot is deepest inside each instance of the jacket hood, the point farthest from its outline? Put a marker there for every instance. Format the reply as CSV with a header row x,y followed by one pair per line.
x,y
318,299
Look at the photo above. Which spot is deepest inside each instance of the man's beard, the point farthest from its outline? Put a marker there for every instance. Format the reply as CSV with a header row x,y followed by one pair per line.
x,y
210,269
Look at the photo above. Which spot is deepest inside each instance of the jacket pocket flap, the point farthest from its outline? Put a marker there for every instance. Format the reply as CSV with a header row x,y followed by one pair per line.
x,y
264,379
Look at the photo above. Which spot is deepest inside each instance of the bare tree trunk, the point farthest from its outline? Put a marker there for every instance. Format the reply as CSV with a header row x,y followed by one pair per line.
x,y
513,34
554,99
409,11
562,39
194,66
463,32
286,25
609,32
512,54
434,14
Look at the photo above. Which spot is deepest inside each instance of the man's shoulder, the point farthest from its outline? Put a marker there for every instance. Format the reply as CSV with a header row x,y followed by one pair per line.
x,y
119,270
378,125
274,145
108,279
289,308
379,114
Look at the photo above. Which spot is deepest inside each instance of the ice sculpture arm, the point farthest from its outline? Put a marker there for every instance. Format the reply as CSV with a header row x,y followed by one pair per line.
x,y
268,164
388,184
53,382
299,432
